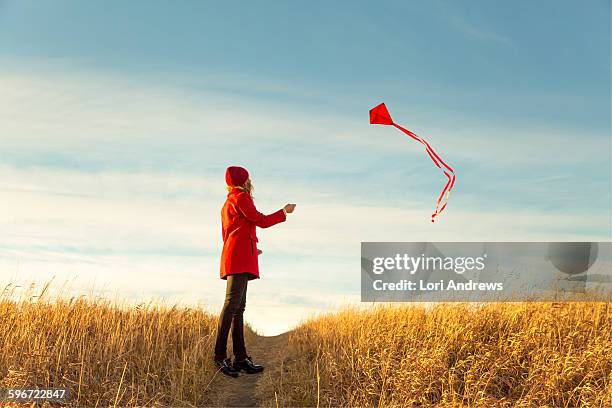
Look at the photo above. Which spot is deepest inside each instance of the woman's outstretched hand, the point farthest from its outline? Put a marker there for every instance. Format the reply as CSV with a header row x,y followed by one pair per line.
x,y
289,208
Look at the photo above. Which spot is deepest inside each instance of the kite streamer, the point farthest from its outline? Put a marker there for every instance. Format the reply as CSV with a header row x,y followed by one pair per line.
x,y
380,116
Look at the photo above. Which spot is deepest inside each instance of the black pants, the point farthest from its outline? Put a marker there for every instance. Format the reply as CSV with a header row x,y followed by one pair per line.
x,y
231,315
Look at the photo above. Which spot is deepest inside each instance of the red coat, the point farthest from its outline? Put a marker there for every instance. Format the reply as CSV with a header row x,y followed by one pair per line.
x,y
239,217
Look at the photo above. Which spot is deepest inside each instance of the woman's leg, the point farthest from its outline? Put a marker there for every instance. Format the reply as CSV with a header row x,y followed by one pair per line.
x,y
238,329
236,286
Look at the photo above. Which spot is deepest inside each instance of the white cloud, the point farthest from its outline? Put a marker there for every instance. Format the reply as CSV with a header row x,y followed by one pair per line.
x,y
88,114
140,232
145,235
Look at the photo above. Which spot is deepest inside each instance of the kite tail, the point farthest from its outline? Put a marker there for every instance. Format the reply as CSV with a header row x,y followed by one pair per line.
x,y
447,170
444,196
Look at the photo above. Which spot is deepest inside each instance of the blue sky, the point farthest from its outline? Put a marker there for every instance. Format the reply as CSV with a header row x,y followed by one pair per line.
x,y
117,120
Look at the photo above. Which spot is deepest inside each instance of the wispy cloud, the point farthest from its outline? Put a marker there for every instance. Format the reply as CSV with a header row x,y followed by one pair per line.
x,y
153,227
88,118
137,234
474,31
469,28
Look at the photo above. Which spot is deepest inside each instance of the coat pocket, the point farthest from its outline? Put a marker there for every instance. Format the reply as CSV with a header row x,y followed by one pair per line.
x,y
254,242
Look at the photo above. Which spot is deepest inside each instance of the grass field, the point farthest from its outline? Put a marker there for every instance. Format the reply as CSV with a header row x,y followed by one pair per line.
x,y
494,355
107,354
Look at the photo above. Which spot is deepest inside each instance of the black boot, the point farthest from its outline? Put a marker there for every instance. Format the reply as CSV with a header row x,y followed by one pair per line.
x,y
248,366
225,366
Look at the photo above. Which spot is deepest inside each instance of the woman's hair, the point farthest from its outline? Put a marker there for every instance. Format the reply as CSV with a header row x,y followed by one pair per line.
x,y
247,187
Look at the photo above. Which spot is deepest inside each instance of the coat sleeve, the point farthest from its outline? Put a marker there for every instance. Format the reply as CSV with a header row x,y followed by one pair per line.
x,y
247,208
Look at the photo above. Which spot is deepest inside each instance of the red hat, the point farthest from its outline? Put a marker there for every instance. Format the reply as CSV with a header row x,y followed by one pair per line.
x,y
236,176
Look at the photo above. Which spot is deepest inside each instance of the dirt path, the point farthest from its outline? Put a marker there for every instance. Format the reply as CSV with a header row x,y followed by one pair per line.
x,y
243,391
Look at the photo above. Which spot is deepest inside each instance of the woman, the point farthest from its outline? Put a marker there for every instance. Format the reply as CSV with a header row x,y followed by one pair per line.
x,y
239,265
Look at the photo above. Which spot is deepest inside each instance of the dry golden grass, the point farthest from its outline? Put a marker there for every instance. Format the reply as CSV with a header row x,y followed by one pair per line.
x,y
107,354
494,355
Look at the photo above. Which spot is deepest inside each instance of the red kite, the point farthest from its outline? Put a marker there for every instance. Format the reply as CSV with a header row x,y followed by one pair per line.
x,y
380,116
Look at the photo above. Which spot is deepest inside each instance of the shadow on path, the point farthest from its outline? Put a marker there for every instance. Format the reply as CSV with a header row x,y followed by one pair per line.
x,y
243,391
